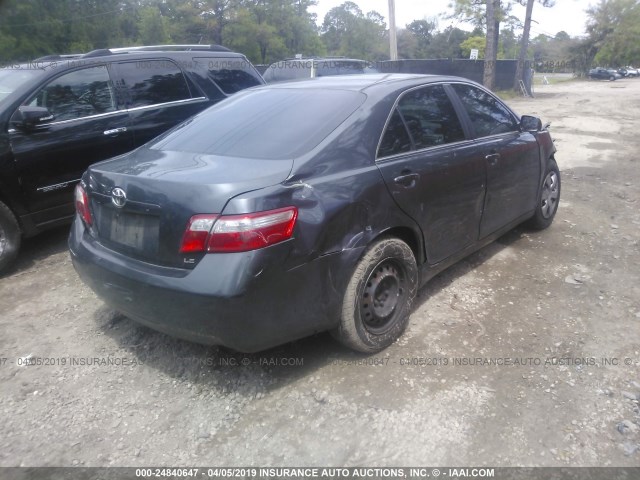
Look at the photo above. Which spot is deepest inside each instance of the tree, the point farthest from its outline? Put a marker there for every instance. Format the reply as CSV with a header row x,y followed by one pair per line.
x,y
614,32
267,31
491,49
489,13
446,44
415,38
477,43
32,28
524,46
347,31
152,27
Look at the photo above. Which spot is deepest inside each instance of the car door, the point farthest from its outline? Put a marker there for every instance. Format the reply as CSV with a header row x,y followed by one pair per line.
x,y
86,127
156,95
512,158
433,171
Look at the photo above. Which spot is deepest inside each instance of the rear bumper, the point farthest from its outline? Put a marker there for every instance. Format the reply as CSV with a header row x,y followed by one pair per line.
x,y
245,301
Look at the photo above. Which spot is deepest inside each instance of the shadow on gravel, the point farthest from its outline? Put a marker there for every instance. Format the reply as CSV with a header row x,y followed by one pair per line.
x,y
225,371
448,276
36,249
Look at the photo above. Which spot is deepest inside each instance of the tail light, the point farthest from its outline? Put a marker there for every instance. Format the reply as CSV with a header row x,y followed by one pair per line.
x,y
238,233
82,205
197,233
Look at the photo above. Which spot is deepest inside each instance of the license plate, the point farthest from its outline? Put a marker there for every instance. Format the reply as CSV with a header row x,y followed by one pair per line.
x,y
139,232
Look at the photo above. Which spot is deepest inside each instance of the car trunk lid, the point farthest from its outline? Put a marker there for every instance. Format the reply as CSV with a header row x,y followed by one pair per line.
x,y
142,202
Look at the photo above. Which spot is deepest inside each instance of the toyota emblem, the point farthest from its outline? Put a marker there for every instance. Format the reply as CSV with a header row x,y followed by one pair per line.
x,y
118,197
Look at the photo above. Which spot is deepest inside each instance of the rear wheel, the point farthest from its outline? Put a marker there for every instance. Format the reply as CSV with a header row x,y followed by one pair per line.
x,y
9,237
377,303
612,78
548,198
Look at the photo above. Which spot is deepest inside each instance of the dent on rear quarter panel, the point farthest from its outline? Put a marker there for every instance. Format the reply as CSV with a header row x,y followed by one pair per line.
x,y
344,200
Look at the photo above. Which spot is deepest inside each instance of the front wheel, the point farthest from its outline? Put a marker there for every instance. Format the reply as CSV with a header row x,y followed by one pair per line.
x,y
378,299
9,237
548,198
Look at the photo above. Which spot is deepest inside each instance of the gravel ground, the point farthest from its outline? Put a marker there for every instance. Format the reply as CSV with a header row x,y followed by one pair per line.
x,y
560,308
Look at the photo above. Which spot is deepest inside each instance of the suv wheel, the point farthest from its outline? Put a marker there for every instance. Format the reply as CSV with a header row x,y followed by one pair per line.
x,y
9,237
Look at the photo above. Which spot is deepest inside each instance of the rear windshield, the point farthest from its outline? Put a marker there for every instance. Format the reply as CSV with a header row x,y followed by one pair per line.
x,y
12,78
231,74
264,124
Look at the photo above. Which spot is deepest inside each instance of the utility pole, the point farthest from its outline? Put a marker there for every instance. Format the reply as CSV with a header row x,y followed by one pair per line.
x,y
393,41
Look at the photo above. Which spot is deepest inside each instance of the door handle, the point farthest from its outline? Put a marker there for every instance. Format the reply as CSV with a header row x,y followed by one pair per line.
x,y
115,131
492,158
408,180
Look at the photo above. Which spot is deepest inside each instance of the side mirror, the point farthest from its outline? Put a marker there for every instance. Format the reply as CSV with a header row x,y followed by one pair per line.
x,y
28,118
529,123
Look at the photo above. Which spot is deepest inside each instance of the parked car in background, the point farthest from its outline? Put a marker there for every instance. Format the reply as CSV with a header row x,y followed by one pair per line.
x,y
61,113
604,74
258,222
299,68
629,72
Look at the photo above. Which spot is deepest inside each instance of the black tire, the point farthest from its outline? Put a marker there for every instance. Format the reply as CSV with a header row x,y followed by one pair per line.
x,y
10,237
387,273
548,198
612,78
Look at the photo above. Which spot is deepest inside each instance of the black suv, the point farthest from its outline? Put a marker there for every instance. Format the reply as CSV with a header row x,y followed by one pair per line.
x,y
61,113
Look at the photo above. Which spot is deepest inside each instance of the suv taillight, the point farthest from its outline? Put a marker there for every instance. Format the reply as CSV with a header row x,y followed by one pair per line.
x,y
238,233
82,205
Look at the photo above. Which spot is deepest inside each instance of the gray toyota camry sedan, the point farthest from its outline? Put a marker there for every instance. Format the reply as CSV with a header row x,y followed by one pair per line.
x,y
302,207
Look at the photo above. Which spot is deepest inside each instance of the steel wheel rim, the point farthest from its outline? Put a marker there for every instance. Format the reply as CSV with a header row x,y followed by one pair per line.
x,y
550,194
382,297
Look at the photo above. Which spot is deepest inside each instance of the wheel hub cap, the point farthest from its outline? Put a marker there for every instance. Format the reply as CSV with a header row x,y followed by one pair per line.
x,y
549,194
381,296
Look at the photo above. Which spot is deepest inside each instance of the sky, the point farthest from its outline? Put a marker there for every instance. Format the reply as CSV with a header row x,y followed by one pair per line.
x,y
567,15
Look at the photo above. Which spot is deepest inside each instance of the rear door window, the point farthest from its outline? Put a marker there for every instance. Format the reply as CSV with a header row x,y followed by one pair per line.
x,y
423,118
430,117
396,138
151,82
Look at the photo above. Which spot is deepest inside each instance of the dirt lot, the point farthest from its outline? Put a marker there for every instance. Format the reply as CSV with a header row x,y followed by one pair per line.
x,y
559,310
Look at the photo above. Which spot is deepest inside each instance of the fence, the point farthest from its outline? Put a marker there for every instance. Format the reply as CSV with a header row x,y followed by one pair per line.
x,y
471,69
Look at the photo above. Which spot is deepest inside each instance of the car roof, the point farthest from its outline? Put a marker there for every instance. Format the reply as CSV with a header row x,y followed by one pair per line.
x,y
97,57
317,60
321,59
363,82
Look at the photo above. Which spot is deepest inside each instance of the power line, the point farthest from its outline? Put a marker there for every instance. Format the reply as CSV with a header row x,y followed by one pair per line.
x,y
541,32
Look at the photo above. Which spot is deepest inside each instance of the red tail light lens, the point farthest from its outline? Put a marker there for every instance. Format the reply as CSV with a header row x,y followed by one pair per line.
x,y
241,233
82,205
197,233
238,233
